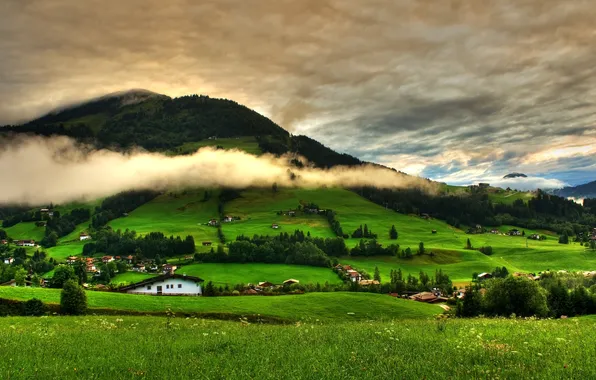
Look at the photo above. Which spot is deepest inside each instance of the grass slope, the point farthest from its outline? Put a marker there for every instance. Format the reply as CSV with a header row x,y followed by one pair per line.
x,y
233,274
131,347
322,306
258,209
130,277
248,144
174,214
26,231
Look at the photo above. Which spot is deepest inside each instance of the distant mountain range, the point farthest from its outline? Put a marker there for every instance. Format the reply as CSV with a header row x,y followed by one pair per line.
x,y
587,190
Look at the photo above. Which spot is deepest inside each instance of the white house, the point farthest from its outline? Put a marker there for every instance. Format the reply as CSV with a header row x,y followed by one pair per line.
x,y
26,243
167,285
84,236
107,259
8,260
72,259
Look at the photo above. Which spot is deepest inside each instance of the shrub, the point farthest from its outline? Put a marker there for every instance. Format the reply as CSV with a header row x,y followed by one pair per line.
x,y
34,307
73,299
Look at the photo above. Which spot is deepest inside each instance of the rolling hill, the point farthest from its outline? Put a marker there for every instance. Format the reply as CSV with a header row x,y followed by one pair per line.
x,y
587,190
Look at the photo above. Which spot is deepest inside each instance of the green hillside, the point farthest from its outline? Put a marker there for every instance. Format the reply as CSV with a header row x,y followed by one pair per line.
x,y
330,307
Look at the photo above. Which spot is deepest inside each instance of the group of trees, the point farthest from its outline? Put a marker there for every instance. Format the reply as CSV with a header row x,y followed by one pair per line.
x,y
335,225
118,243
363,233
399,283
372,248
554,295
296,248
61,225
544,211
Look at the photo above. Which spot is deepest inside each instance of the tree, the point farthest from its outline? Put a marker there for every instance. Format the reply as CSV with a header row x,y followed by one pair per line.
x,y
20,276
80,269
515,295
121,267
62,274
73,299
471,304
274,187
564,239
593,245
209,290
393,233
3,234
377,275
468,244
421,248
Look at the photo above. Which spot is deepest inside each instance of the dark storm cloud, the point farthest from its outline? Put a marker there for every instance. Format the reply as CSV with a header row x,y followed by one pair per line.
x,y
480,86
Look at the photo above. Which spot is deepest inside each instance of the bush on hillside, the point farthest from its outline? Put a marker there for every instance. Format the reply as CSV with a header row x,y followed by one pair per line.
x,y
34,308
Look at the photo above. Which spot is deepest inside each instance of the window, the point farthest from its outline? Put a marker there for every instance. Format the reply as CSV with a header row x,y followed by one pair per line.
x,y
148,287
167,286
179,286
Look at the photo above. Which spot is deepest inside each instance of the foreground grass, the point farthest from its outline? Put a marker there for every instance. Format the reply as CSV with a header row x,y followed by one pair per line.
x,y
254,273
323,306
144,347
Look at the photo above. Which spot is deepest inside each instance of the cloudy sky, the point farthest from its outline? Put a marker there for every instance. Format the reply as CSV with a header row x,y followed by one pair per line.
x,y
458,91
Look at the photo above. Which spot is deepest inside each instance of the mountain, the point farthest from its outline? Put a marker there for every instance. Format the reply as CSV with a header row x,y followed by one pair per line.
x,y
587,190
162,124
515,175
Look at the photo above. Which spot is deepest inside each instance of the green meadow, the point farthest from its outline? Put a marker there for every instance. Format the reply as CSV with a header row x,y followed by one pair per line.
x,y
335,306
179,214
248,144
26,231
258,210
254,273
187,348
130,277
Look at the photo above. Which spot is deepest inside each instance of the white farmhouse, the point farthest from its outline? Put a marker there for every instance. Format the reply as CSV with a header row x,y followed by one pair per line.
x,y
84,236
167,285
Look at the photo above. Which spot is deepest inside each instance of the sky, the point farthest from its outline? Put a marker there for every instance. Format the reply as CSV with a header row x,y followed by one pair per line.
x,y
456,91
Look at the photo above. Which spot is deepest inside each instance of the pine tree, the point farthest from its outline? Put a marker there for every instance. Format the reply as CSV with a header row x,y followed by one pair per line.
x,y
421,248
393,233
468,244
209,290
377,275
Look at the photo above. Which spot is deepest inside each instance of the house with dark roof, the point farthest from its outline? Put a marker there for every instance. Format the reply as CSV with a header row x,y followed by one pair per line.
x,y
167,285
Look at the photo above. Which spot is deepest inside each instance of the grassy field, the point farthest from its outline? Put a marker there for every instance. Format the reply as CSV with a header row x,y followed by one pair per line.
x,y
145,347
508,197
254,273
258,209
174,214
62,251
248,144
130,277
323,306
26,231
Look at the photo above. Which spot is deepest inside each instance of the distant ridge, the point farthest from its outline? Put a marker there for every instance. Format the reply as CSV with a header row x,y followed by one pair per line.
x,y
587,190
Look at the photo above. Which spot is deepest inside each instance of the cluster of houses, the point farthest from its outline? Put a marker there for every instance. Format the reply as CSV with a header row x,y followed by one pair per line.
x,y
25,243
141,267
226,219
478,229
353,275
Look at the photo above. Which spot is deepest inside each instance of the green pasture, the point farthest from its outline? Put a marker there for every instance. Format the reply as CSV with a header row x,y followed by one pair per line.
x,y
154,348
26,231
331,307
179,214
248,144
130,277
254,273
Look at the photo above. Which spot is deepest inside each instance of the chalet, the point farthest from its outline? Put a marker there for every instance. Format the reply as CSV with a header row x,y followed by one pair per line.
x,y
167,285
534,237
368,282
460,293
139,268
484,276
117,258
514,232
107,259
129,259
169,268
91,267
275,226
228,219
424,297
494,231
213,222
291,281
3,242
434,231
347,268
44,210
354,276
72,259
291,213
207,244
25,243
266,284
84,236
9,260
250,292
